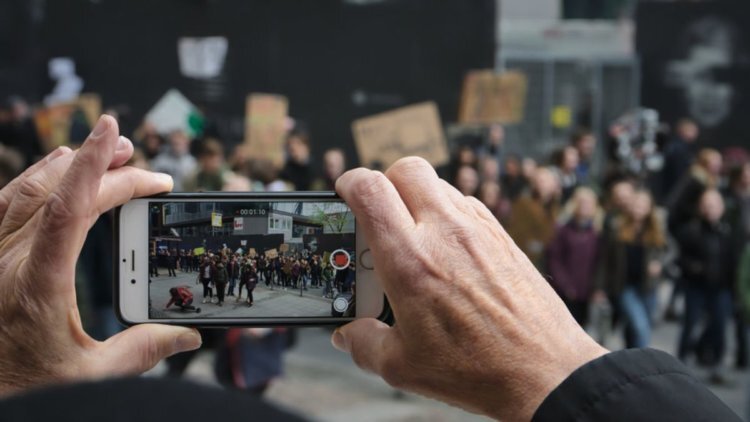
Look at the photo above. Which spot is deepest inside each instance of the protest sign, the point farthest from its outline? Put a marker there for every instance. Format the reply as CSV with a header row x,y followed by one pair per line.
x,y
265,127
413,130
490,97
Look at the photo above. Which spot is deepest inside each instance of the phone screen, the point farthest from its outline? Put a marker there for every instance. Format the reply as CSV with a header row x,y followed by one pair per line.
x,y
251,259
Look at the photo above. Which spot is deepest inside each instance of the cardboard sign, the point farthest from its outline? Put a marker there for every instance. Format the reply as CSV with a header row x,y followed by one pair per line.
x,y
490,97
265,127
284,247
252,252
414,130
199,251
53,123
272,253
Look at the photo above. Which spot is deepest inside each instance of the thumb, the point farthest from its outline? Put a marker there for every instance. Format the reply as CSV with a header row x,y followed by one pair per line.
x,y
364,339
140,348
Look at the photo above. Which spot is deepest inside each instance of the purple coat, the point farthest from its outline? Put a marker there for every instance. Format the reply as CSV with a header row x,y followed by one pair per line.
x,y
571,261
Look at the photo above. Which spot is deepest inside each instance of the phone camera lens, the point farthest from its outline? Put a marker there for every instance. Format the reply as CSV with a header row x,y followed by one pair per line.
x,y
132,281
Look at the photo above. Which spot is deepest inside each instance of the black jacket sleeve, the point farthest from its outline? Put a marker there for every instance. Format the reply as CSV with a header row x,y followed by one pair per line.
x,y
633,385
138,400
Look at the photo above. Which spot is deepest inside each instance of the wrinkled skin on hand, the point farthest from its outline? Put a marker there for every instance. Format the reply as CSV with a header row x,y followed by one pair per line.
x,y
477,326
45,215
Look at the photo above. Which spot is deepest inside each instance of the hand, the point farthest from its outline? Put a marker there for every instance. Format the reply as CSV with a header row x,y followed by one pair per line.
x,y
45,215
476,324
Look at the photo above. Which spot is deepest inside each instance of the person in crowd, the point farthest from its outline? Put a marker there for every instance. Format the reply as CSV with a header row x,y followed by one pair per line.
x,y
11,164
619,198
206,274
709,263
327,275
212,172
153,264
491,365
248,280
534,215
630,266
148,140
252,358
268,175
467,180
295,273
737,215
315,271
489,169
584,142
19,131
297,169
233,270
572,255
171,263
565,165
528,169
182,297
679,154
683,201
334,165
491,195
512,181
221,277
176,160
466,156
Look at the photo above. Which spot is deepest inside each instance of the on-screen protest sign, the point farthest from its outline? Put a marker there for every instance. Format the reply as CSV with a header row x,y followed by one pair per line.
x,y
272,253
413,130
265,127
490,97
284,247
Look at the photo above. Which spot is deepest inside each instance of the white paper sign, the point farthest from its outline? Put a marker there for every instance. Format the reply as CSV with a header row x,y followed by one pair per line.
x,y
202,58
172,113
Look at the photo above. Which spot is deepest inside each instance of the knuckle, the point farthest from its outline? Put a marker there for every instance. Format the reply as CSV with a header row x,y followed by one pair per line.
x,y
370,186
411,163
31,188
57,210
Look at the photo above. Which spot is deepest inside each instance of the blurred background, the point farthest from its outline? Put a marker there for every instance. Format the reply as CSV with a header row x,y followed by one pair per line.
x,y
608,136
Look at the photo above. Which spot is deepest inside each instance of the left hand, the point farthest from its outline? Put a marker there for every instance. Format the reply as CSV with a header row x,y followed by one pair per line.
x,y
45,215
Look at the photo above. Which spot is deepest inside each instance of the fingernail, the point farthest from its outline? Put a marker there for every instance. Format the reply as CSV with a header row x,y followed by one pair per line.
x,y
338,341
100,128
164,179
122,143
190,340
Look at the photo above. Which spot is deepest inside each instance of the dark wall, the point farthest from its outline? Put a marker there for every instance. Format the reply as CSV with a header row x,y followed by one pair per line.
x,y
317,52
695,64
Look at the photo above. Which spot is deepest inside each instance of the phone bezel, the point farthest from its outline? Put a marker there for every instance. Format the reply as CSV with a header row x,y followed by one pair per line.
x,y
123,293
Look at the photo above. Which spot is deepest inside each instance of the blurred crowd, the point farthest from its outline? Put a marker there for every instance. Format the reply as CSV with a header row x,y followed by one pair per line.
x,y
606,236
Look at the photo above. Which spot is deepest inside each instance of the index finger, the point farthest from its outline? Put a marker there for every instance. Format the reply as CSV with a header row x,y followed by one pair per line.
x,y
377,206
66,216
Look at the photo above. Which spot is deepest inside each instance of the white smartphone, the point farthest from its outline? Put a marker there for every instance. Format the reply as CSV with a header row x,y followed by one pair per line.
x,y
243,259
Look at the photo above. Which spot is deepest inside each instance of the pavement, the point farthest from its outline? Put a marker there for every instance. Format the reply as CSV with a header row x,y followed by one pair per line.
x,y
323,384
268,302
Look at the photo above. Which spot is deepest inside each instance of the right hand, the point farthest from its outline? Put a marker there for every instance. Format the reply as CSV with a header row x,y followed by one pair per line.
x,y
476,324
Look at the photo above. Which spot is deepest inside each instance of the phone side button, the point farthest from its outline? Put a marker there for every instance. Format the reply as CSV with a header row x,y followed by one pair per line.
x,y
365,259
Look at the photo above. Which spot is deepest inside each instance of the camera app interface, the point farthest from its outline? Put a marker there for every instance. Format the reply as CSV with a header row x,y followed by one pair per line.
x,y
251,259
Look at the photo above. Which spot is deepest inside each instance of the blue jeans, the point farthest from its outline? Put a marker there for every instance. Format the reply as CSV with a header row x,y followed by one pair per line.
x,y
717,305
637,308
